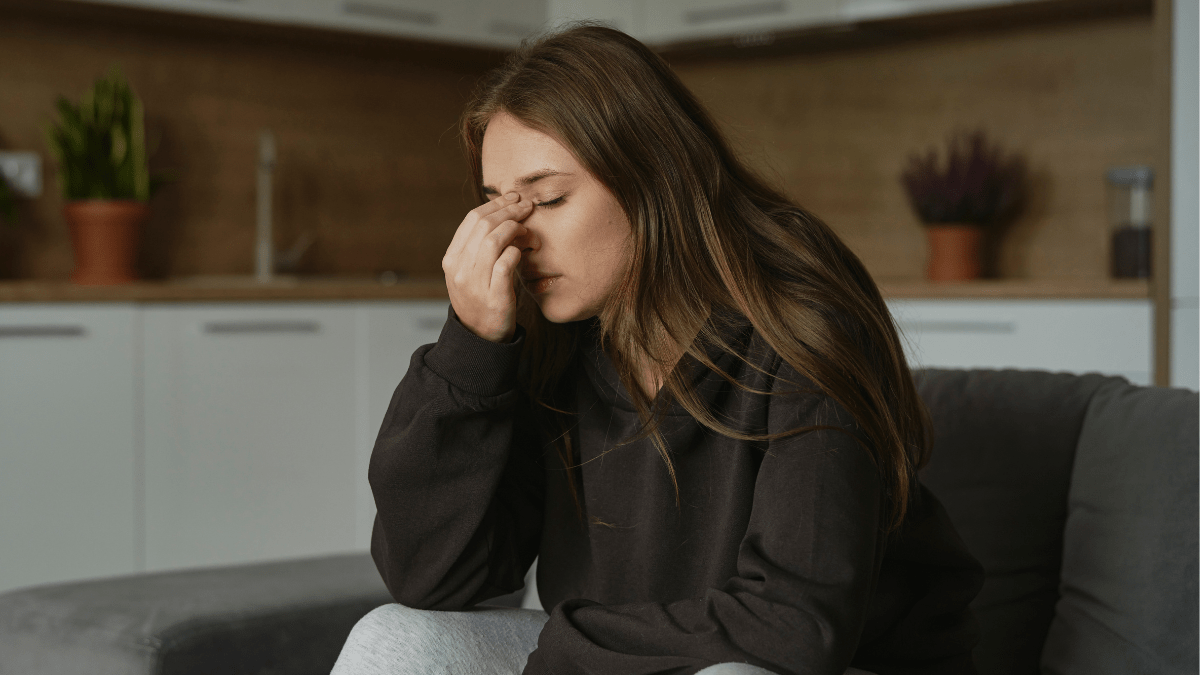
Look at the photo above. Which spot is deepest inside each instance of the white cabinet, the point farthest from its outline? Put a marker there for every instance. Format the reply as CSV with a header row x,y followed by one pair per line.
x,y
260,421
159,436
861,10
502,23
475,22
68,439
505,23
249,432
389,333
468,22
1114,337
677,20
628,16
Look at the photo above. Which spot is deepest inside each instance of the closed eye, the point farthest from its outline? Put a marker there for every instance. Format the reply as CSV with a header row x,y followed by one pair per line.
x,y
552,202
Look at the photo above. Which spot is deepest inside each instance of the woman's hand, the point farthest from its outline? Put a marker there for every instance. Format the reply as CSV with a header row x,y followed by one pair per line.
x,y
479,267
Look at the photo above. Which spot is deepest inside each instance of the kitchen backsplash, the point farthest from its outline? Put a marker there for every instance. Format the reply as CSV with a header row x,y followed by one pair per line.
x,y
370,162
835,130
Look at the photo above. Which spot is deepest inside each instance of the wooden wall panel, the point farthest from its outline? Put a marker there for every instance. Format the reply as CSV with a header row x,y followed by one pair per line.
x,y
369,161
834,129
368,158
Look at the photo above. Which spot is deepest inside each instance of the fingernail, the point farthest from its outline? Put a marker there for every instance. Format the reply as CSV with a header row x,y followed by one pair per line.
x,y
511,196
524,203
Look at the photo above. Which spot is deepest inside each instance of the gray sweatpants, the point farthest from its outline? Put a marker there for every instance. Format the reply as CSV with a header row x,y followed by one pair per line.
x,y
396,640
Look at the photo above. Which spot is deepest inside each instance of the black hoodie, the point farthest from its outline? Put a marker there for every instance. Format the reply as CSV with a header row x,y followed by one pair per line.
x,y
774,554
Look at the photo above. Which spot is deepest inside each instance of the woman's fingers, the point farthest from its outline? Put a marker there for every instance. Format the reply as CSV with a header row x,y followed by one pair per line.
x,y
503,291
468,225
476,254
480,264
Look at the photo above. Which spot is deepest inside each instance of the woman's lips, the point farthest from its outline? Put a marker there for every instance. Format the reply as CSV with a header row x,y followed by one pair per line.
x,y
541,284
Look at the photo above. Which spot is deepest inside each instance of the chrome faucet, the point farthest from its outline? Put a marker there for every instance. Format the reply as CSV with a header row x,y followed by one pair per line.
x,y
264,259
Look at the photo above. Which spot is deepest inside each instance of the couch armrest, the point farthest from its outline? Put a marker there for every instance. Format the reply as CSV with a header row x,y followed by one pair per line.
x,y
280,617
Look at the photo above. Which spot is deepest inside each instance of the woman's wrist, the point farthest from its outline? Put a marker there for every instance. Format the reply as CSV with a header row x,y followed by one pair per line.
x,y
475,364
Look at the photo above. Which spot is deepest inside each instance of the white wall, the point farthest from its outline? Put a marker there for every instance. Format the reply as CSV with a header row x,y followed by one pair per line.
x,y
1185,199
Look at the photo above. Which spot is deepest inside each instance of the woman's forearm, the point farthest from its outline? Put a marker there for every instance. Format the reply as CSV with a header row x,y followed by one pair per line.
x,y
457,487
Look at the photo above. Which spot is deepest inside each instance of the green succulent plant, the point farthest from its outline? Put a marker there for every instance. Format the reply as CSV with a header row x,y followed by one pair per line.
x,y
99,143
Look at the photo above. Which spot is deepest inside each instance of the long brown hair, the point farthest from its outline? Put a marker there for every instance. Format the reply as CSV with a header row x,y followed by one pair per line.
x,y
708,236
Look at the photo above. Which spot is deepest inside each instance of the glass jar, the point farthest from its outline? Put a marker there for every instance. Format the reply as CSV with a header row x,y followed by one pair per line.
x,y
1130,197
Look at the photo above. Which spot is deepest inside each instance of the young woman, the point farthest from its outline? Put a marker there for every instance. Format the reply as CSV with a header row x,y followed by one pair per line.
x,y
676,388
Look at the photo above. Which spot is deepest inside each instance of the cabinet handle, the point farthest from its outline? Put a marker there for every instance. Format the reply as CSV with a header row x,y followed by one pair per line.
x,y
960,326
240,327
431,323
41,331
400,14
739,11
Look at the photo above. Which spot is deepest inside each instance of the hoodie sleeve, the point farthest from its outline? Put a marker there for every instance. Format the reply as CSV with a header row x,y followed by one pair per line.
x,y
456,475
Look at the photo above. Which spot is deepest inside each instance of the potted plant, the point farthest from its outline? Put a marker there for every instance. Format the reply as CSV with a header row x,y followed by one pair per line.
x,y
99,145
979,190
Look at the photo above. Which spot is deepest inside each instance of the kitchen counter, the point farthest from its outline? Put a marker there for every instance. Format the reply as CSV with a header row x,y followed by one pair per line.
x,y
227,288
318,288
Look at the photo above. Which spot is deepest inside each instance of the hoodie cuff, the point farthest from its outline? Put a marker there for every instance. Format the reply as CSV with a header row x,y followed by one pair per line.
x,y
474,364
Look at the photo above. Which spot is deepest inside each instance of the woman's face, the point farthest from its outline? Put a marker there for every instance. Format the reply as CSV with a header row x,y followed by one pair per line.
x,y
577,244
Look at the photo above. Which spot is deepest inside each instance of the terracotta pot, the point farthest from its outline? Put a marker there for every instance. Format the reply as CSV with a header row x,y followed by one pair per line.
x,y
954,251
105,234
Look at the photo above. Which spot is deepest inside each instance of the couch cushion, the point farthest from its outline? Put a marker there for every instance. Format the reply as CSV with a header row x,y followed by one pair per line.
x,y
285,617
1129,569
1004,441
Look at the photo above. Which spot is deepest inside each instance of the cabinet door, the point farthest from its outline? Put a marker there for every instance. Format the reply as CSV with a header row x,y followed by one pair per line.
x,y
391,331
67,442
679,20
1113,337
420,19
249,432
625,15
506,23
861,10
451,22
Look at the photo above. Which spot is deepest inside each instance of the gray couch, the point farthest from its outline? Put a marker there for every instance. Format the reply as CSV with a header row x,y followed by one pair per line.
x,y
1077,493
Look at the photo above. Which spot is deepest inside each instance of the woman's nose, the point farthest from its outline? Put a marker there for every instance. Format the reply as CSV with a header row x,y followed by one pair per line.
x,y
526,240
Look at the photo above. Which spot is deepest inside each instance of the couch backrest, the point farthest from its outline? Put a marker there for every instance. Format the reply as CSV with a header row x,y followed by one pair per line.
x,y
1004,444
1129,597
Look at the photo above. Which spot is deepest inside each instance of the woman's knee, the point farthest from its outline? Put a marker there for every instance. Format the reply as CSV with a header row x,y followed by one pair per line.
x,y
393,639
384,637
732,668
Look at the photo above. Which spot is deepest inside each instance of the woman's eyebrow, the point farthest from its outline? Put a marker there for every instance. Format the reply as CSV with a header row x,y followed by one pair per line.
x,y
528,180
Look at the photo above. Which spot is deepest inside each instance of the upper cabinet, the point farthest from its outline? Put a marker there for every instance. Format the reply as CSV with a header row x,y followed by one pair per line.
x,y
502,23
475,22
861,10
625,15
680,20
480,23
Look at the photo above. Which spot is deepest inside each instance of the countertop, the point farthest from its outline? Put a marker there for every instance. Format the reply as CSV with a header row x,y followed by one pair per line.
x,y
329,288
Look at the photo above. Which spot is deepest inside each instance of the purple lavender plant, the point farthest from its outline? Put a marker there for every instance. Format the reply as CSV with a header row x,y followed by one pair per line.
x,y
979,185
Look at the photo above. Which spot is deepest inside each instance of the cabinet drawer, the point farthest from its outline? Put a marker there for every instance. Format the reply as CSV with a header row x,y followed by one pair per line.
x,y
1107,336
68,454
861,10
249,432
680,20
